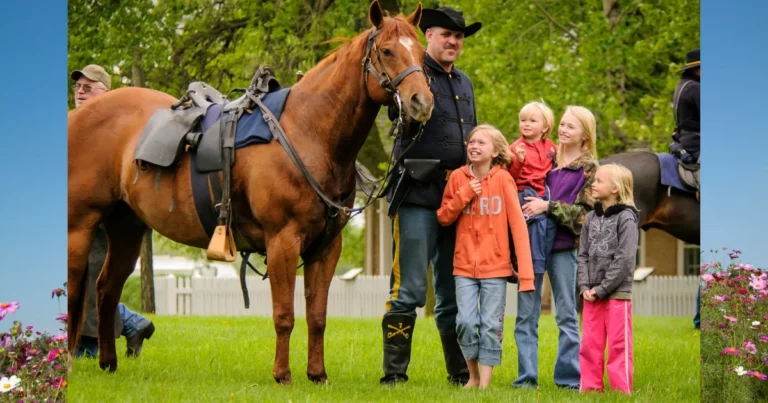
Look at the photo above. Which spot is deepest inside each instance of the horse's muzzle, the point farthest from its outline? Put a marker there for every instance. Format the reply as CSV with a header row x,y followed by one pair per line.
x,y
420,109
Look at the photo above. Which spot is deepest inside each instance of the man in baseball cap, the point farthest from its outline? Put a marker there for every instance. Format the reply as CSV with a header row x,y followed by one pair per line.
x,y
90,82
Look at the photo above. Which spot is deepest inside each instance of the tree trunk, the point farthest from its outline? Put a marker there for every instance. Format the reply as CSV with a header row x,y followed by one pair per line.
x,y
147,275
147,269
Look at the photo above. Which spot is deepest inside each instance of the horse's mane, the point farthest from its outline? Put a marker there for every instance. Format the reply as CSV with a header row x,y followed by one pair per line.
x,y
401,27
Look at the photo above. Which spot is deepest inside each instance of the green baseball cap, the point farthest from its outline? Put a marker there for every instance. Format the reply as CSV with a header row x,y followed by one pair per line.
x,y
93,72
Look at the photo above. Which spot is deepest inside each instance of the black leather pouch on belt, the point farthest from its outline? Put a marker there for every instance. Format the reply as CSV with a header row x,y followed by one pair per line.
x,y
411,172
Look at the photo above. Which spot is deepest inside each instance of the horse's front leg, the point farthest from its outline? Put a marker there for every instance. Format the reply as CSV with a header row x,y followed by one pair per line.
x,y
282,258
317,280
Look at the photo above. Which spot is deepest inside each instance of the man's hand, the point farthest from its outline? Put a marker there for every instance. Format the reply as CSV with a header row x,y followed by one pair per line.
x,y
520,152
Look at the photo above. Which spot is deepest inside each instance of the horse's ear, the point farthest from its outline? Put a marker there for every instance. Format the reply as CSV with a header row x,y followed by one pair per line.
x,y
375,14
415,18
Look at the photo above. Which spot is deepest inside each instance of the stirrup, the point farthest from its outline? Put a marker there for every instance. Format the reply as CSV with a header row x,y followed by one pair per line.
x,y
222,246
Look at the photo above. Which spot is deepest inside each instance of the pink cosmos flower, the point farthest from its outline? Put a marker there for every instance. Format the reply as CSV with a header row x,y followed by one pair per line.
x,y
719,298
750,347
54,354
6,307
731,318
62,317
758,283
58,292
757,375
763,338
707,277
731,351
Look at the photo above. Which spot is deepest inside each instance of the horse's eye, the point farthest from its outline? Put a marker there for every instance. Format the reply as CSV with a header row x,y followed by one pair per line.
x,y
387,52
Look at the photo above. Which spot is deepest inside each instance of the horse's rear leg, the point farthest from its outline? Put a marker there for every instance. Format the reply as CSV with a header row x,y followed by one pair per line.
x,y
124,235
78,246
317,280
283,252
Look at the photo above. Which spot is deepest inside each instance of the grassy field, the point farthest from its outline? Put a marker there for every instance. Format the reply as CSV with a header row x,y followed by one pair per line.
x,y
216,359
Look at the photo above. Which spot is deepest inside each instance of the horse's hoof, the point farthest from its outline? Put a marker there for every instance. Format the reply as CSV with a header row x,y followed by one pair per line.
x,y
321,379
284,380
111,364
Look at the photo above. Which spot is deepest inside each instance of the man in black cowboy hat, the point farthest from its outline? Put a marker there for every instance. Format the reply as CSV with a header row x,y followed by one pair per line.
x,y
687,107
418,237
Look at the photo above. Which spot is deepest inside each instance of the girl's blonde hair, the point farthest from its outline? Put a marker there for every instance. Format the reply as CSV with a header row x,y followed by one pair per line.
x,y
588,126
500,144
535,106
621,177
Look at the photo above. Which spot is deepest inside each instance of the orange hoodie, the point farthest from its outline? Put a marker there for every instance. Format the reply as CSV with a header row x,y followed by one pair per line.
x,y
482,242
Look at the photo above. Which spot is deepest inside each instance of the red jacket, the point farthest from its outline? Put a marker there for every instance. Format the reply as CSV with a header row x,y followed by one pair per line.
x,y
482,241
539,159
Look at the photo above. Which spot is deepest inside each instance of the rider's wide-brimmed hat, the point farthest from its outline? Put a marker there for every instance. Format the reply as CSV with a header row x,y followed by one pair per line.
x,y
692,60
449,18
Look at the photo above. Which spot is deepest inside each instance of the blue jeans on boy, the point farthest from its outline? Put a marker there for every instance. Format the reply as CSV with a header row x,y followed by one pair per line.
x,y
541,231
697,318
562,275
132,323
481,331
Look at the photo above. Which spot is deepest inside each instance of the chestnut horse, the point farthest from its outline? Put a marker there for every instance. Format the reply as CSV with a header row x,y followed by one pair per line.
x,y
327,117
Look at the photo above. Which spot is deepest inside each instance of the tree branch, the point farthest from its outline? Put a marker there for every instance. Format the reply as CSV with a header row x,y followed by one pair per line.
x,y
550,18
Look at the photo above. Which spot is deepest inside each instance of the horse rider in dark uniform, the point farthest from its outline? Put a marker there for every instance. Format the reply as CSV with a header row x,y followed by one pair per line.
x,y
687,108
428,157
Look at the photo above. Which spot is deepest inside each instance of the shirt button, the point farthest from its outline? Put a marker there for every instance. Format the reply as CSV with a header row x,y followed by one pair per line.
x,y
450,75
462,120
457,97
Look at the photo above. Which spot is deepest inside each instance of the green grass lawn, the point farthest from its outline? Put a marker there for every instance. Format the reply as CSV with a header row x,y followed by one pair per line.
x,y
212,359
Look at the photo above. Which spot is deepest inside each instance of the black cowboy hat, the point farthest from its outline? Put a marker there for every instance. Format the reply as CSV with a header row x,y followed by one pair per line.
x,y
449,18
692,60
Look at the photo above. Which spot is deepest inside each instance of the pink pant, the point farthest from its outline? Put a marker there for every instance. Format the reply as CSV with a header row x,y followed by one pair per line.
x,y
607,322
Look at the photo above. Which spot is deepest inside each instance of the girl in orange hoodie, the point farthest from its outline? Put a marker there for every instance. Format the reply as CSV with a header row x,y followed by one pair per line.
x,y
482,195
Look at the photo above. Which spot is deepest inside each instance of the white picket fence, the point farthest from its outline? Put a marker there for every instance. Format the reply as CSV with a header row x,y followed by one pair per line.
x,y
365,296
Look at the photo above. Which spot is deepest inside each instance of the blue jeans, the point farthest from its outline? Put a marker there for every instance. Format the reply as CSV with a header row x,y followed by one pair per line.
x,y
562,275
697,318
481,331
132,323
418,239
541,231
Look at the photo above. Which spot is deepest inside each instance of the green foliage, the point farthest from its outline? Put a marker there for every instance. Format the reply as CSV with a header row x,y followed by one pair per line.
x,y
131,295
573,55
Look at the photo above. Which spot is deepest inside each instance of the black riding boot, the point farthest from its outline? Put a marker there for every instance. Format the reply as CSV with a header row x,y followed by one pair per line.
x,y
398,335
458,373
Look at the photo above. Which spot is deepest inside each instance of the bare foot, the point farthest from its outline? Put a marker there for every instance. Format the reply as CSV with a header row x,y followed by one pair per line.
x,y
471,384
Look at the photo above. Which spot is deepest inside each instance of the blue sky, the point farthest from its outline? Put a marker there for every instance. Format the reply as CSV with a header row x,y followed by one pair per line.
x,y
734,144
33,156
33,170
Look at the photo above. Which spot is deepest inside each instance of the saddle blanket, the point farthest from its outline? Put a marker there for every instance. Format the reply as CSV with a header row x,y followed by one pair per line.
x,y
669,173
251,128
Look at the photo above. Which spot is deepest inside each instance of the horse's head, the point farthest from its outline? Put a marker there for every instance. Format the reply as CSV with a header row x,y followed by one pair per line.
x,y
393,63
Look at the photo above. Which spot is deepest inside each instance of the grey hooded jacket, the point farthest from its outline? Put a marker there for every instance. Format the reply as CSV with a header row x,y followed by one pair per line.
x,y
608,251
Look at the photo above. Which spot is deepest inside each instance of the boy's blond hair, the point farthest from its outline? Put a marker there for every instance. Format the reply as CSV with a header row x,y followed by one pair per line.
x,y
500,144
588,126
540,107
622,179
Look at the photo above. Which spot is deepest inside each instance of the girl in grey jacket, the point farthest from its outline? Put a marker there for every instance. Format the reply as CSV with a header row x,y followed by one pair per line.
x,y
606,266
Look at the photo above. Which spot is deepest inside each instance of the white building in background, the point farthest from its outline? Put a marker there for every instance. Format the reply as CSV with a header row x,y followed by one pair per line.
x,y
178,266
